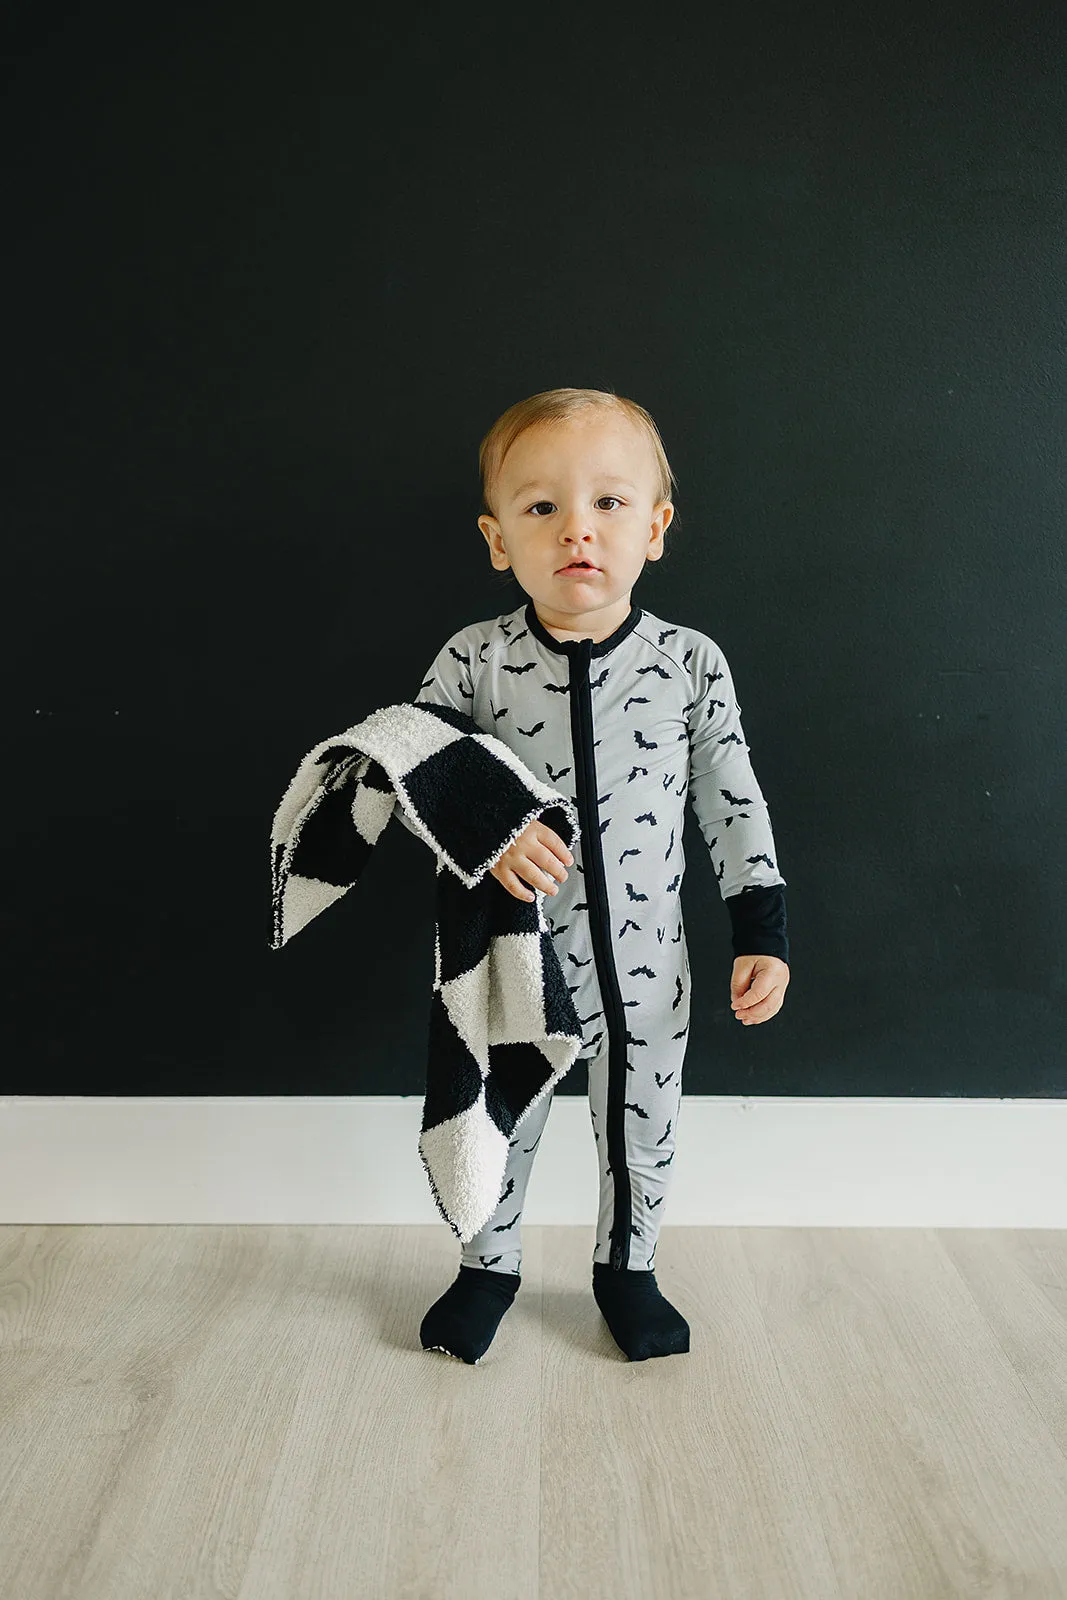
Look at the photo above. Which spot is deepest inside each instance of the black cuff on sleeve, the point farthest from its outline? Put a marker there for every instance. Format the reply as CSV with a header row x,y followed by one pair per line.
x,y
759,921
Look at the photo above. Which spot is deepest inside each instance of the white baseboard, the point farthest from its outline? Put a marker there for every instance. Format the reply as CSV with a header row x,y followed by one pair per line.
x,y
740,1161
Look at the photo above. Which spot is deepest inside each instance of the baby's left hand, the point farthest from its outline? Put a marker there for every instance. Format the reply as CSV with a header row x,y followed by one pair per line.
x,y
757,987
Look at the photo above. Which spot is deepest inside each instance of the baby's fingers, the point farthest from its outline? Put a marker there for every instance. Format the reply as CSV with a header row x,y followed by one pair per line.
x,y
763,1010
539,878
513,884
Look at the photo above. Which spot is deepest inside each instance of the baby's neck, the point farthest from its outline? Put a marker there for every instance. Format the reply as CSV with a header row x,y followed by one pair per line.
x,y
595,631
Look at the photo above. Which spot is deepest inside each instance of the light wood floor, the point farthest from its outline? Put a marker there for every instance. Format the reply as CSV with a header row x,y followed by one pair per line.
x,y
247,1412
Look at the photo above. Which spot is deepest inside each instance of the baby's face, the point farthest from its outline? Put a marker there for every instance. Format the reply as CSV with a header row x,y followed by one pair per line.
x,y
581,490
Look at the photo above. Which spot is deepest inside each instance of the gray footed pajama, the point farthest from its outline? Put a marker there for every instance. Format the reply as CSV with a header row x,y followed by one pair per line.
x,y
627,728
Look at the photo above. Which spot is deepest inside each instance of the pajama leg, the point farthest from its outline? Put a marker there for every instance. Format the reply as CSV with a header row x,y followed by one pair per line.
x,y
653,1098
498,1247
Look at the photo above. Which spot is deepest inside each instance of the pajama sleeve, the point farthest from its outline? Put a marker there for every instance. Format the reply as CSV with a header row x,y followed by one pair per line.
x,y
731,810
446,682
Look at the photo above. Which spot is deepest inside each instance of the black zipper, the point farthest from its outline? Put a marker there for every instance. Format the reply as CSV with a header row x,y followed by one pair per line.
x,y
596,888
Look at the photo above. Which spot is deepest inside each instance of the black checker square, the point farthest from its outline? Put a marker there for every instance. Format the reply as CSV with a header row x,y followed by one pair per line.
x,y
377,778
462,721
517,1072
329,847
560,1013
508,913
477,916
467,795
470,913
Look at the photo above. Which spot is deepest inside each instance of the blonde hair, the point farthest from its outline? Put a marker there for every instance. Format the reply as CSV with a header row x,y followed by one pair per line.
x,y
559,405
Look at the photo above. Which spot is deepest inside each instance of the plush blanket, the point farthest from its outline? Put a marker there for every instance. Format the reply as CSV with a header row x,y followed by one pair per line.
x,y
503,1028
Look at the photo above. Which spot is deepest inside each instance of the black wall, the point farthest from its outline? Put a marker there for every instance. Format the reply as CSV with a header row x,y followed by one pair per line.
x,y
270,275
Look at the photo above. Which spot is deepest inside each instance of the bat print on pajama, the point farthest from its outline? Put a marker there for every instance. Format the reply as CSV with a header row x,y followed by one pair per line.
x,y
626,728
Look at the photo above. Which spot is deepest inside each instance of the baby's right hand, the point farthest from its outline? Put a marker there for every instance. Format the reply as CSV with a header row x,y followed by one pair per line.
x,y
537,857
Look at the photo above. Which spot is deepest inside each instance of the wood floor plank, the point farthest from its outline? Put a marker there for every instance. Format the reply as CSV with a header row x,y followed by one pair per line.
x,y
938,1473
864,1414
688,1489
1018,1279
407,1472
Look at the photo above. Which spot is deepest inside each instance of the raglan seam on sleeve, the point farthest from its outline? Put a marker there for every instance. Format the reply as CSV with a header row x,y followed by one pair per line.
x,y
464,642
707,693
686,672
475,639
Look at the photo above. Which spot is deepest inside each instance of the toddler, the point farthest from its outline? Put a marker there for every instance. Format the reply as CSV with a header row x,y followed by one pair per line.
x,y
627,714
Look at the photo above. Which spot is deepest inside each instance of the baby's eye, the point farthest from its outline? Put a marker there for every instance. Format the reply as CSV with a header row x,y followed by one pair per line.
x,y
602,497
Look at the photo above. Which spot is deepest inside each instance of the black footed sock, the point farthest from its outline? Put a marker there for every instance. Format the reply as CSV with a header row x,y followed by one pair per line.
x,y
462,1323
642,1322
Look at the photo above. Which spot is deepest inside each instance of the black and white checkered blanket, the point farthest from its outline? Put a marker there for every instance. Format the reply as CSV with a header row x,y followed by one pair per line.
x,y
503,1028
